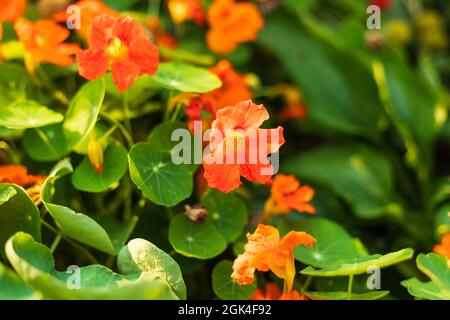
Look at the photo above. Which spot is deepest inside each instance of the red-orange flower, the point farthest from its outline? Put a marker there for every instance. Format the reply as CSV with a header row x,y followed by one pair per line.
x,y
11,10
444,248
295,107
44,43
239,147
186,10
272,292
293,295
89,9
121,45
265,251
288,194
17,174
232,23
233,90
383,4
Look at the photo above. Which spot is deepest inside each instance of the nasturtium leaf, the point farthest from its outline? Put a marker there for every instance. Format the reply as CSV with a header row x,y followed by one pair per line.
x,y
28,114
436,268
226,288
46,144
108,236
184,77
160,137
341,295
333,242
35,265
308,60
17,213
161,181
140,255
360,175
85,178
197,240
347,267
227,212
12,287
83,112
424,290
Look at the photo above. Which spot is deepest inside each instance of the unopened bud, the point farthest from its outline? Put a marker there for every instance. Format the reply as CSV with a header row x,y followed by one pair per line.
x,y
95,154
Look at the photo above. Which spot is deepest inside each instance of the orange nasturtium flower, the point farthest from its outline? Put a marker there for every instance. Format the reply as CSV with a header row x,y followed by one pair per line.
x,y
119,44
295,107
265,251
232,23
10,11
233,90
444,248
43,42
89,9
239,147
274,293
288,194
17,174
186,10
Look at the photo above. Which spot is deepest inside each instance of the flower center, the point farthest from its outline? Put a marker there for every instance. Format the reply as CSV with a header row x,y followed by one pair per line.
x,y
117,49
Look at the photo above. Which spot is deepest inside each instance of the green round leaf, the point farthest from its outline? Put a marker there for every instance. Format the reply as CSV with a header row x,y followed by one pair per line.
x,y
346,267
227,212
17,213
140,255
186,78
104,234
161,181
35,265
46,144
225,287
442,221
85,178
333,242
83,112
196,240
27,114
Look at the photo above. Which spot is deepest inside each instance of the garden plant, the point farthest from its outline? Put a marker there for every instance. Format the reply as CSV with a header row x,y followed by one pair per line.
x,y
225,149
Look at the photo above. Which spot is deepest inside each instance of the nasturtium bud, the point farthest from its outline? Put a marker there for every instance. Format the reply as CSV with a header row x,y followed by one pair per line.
x,y
95,154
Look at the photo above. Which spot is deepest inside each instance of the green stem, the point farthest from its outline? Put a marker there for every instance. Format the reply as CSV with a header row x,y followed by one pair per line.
x,y
350,287
126,135
167,111
55,243
126,112
176,112
307,284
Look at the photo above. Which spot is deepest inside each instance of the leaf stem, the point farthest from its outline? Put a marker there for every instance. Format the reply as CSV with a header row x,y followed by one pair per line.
x,y
126,135
350,287
55,243
307,284
126,112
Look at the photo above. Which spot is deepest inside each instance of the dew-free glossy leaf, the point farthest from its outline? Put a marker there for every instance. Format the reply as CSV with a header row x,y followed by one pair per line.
x,y
17,213
28,114
360,175
333,242
140,255
184,77
108,236
227,212
346,267
46,144
226,288
196,240
83,112
161,181
12,287
85,178
35,265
